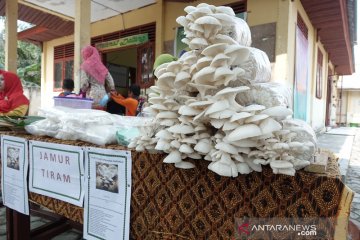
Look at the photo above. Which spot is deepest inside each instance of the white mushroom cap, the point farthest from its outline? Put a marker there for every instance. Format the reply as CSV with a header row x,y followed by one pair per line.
x,y
203,147
182,76
198,43
217,107
221,38
173,157
256,118
203,62
226,10
245,143
182,21
224,75
164,134
224,114
159,107
184,129
202,88
196,27
184,148
239,116
167,122
224,19
230,126
204,75
253,166
200,103
280,164
269,125
190,9
184,165
175,144
162,145
217,123
287,171
253,107
226,147
210,24
219,60
188,111
237,53
214,49
280,146
167,114
188,140
279,112
243,168
244,131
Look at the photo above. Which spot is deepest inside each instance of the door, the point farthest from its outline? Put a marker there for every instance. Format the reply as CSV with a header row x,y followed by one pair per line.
x,y
145,61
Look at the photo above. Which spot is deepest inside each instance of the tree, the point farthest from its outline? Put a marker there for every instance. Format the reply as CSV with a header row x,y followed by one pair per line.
x,y
28,55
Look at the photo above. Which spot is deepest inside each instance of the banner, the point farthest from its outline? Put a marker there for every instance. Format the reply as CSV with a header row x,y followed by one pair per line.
x,y
123,42
107,199
56,170
14,155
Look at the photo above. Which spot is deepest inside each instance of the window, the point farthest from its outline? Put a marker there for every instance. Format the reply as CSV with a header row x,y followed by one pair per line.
x,y
63,64
319,75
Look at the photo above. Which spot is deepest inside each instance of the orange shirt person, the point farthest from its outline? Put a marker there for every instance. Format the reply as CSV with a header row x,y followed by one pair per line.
x,y
131,102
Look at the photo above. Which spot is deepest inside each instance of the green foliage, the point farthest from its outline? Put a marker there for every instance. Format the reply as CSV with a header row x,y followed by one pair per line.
x,y
28,56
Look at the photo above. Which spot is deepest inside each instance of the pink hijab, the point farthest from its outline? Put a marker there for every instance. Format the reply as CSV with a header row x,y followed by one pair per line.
x,y
92,64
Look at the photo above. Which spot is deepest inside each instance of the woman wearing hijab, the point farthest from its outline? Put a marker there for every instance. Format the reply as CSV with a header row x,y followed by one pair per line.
x,y
12,99
94,76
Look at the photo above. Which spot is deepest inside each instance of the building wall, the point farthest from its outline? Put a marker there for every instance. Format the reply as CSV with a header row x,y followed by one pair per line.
x,y
283,12
117,23
350,107
316,108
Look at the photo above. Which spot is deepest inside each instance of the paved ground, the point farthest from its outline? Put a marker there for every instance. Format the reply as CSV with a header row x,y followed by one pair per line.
x,y
345,142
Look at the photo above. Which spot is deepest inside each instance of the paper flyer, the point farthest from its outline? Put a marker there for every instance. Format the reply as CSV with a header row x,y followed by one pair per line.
x,y
14,155
57,171
108,195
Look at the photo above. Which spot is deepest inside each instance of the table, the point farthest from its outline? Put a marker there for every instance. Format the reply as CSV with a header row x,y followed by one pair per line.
x,y
171,203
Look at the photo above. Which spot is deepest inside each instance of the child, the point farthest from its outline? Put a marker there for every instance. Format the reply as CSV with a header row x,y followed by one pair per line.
x,y
68,87
131,102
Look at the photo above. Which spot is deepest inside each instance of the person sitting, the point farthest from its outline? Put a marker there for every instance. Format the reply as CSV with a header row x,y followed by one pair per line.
x,y
68,87
12,99
131,102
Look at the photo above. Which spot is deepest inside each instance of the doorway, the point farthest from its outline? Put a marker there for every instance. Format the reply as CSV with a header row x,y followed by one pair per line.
x,y
122,65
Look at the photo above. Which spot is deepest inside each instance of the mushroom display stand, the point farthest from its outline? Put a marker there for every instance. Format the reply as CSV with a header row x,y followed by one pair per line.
x,y
216,104
172,203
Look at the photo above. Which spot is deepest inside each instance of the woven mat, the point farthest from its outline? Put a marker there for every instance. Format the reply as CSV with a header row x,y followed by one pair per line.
x,y
169,203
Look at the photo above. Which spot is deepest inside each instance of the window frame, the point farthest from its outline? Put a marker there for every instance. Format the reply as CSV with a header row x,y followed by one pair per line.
x,y
63,71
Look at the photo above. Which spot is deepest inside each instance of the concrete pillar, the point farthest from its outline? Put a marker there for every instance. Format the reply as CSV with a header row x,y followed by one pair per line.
x,y
81,35
159,27
284,24
11,13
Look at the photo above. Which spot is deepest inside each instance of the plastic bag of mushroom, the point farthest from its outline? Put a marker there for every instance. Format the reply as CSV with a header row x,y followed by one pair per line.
x,y
195,108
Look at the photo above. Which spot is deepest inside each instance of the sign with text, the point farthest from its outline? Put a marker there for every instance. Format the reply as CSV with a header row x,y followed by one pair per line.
x,y
57,171
14,155
107,199
123,42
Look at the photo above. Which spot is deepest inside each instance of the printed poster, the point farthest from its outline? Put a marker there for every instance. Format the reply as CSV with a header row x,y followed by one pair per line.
x,y
107,199
14,155
57,171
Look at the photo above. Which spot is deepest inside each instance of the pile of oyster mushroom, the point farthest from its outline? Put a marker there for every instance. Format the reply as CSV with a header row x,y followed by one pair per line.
x,y
204,104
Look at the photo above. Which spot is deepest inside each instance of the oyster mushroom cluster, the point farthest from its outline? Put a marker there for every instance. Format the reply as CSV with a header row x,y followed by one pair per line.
x,y
203,106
